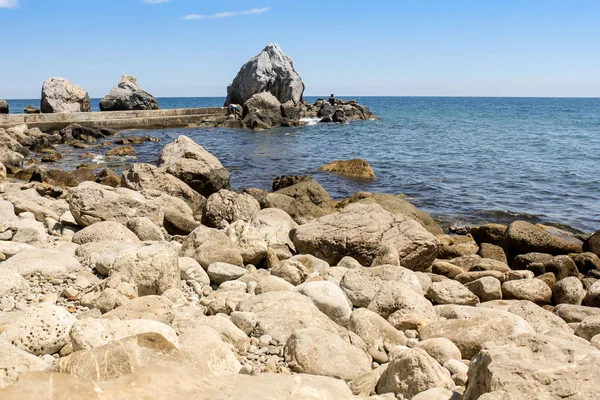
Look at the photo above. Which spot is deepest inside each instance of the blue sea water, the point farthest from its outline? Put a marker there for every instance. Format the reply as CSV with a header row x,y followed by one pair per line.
x,y
465,160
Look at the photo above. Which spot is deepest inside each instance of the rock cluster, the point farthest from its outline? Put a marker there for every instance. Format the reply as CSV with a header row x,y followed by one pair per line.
x,y
170,285
128,96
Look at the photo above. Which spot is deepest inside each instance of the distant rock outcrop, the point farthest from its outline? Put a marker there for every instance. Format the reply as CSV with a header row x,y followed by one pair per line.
x,y
270,71
61,95
128,96
3,107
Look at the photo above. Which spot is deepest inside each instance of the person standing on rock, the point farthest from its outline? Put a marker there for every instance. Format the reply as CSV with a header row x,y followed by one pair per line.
x,y
232,110
332,100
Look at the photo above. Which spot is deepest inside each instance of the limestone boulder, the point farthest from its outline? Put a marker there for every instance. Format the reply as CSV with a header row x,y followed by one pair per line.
x,y
104,230
447,291
303,201
544,322
589,327
486,289
572,313
253,247
440,349
395,295
11,281
360,231
522,237
43,329
155,308
226,207
191,270
356,168
411,372
90,333
263,111
592,243
270,71
15,361
60,95
375,331
534,290
192,164
532,367
4,108
145,229
319,352
145,176
128,96
204,349
568,291
274,226
220,272
50,263
209,245
281,313
329,299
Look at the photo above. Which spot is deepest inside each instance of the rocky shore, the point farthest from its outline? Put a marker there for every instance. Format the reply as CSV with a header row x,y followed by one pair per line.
x,y
163,283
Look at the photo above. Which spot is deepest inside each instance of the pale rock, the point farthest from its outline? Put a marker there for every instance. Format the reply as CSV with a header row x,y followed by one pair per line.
x,y
394,296
440,349
589,327
14,361
292,271
252,246
435,394
534,290
225,207
155,308
60,95
209,245
568,291
220,272
447,291
49,263
145,229
246,321
486,288
274,225
544,322
106,229
329,298
191,270
375,331
204,349
272,284
11,281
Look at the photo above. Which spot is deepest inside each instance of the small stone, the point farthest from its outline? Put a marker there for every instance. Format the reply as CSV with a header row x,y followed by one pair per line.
x,y
57,281
246,369
410,343
264,340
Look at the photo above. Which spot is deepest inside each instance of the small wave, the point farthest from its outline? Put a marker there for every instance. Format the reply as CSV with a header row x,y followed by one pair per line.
x,y
99,159
310,121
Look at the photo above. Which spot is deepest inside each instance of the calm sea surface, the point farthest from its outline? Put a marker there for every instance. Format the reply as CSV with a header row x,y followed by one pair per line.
x,y
465,160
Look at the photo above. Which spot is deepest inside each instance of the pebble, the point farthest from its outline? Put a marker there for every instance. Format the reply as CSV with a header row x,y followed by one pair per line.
x,y
410,343
246,369
264,340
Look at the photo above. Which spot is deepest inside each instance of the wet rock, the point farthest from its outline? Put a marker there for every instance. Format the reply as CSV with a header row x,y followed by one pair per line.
x,y
128,96
356,168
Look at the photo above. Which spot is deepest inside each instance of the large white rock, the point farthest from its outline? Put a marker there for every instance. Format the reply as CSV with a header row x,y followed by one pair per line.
x,y
361,231
50,263
274,226
318,352
329,298
531,367
14,361
60,95
375,331
225,207
204,349
43,329
270,71
220,272
448,291
252,246
208,245
105,230
395,295
90,333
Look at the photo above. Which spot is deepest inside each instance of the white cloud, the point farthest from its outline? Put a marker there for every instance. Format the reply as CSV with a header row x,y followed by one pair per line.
x,y
156,1
227,14
9,3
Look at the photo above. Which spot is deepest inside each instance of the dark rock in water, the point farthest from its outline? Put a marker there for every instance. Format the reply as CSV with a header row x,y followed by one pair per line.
x,y
121,151
32,110
489,233
263,111
128,96
327,110
50,154
55,177
136,140
339,117
4,107
108,177
270,71
290,111
592,243
84,174
78,132
60,95
24,174
288,180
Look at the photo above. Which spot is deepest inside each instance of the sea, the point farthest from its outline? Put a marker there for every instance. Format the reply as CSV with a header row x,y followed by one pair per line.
x,y
465,160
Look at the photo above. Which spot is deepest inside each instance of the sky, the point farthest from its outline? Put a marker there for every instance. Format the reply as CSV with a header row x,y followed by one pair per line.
x,y
363,48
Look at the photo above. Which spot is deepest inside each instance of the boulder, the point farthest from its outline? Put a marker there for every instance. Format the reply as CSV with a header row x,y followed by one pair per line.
x,y
204,349
586,262
191,270
589,327
155,308
10,158
188,161
542,321
292,271
263,111
119,357
319,352
522,237
360,231
486,289
4,109
453,246
395,295
447,291
284,181
411,372
14,362
274,226
43,329
128,96
375,331
50,263
534,290
329,298
493,252
220,272
90,333
145,229
60,95
568,291
396,204
440,349
252,246
592,243
145,176
281,313
470,334
356,168
572,313
270,71
11,281
31,110
532,367
226,207
102,230
209,245
303,201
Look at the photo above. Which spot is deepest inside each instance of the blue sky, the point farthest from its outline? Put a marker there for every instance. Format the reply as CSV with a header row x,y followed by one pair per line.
x,y
351,47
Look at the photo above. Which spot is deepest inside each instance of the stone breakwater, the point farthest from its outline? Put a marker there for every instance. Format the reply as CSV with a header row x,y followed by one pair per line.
x,y
166,284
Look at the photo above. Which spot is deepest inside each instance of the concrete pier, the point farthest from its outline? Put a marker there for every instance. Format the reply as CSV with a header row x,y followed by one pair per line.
x,y
147,119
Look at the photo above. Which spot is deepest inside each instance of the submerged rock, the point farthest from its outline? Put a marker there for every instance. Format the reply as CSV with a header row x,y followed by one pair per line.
x,y
128,96
60,95
356,168
270,71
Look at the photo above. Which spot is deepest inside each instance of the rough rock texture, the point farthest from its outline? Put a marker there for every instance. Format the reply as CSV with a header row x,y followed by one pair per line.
x,y
448,291
532,367
356,168
534,290
62,96
375,331
43,329
441,349
395,295
411,372
204,349
208,245
14,361
128,96
360,230
50,263
4,109
270,71
253,247
220,272
263,111
145,176
329,298
486,289
592,243
188,161
568,291
319,352
225,207
155,308
104,230
281,313
522,237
